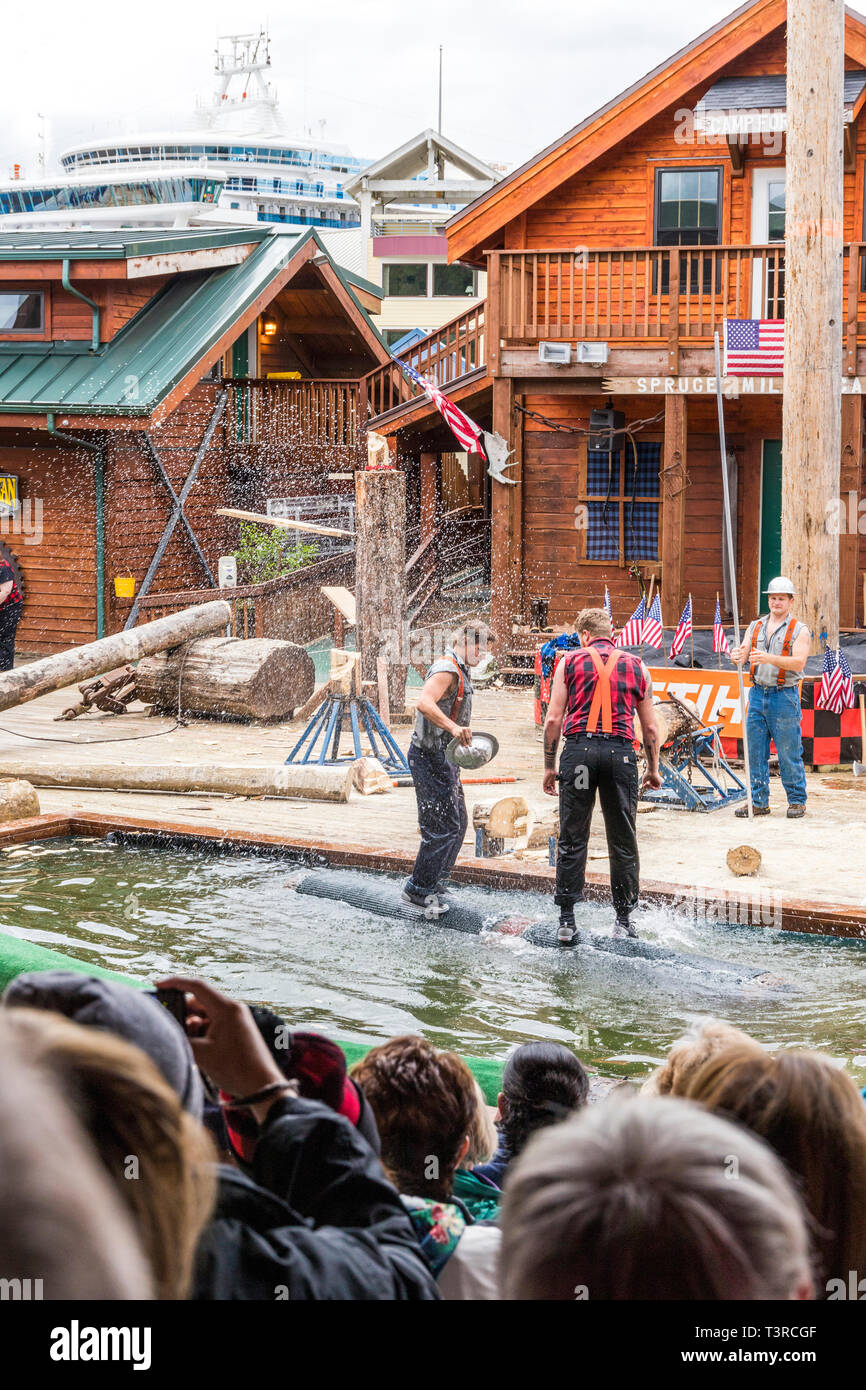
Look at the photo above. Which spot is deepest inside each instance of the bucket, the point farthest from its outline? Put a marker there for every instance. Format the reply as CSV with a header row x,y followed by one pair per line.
x,y
124,586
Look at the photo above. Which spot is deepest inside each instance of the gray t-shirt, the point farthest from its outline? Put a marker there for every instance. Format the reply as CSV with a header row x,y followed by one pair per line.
x,y
765,673
427,735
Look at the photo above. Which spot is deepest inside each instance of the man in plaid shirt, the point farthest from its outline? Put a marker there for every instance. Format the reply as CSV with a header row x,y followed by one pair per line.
x,y
596,691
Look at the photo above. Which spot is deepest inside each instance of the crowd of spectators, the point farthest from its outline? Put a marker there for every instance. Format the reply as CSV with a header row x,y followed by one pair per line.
x,y
228,1157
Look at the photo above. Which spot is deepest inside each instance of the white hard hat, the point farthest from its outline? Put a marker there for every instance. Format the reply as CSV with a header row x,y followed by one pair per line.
x,y
780,585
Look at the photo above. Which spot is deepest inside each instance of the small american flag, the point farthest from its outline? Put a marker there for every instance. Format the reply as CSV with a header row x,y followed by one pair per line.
x,y
653,630
837,687
720,641
469,435
607,608
684,629
754,347
631,633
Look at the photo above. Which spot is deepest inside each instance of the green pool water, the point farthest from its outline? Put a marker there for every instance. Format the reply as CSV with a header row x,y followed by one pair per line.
x,y
146,911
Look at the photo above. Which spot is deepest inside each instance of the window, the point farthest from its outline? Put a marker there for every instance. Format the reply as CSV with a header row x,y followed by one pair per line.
x,y
396,335
453,280
622,504
405,280
22,312
688,212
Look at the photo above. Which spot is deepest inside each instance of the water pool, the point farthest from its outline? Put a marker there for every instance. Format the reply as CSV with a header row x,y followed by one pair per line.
x,y
145,910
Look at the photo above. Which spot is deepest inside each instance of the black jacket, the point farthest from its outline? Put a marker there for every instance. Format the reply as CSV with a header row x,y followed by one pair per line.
x,y
320,1221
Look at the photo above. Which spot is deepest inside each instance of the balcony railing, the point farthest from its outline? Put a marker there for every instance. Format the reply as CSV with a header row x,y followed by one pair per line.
x,y
444,357
648,294
271,412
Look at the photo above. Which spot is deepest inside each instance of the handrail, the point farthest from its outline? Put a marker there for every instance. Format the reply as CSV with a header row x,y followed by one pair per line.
x,y
444,356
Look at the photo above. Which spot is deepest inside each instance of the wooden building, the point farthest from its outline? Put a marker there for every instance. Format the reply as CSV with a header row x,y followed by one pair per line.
x,y
628,242
148,378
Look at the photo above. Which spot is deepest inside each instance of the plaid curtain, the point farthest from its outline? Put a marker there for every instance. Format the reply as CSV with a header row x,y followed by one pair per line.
x,y
641,519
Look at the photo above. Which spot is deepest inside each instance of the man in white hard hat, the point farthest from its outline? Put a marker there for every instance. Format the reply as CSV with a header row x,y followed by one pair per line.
x,y
776,648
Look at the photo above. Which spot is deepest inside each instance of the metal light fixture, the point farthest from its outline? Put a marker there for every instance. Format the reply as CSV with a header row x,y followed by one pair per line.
x,y
269,327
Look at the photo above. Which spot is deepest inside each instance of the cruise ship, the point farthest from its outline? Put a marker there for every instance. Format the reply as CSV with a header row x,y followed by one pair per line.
x,y
236,164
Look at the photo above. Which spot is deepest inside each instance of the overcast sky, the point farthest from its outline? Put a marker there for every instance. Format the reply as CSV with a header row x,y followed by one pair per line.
x,y
516,74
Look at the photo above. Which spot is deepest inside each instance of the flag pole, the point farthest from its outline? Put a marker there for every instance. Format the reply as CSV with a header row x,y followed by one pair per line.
x,y
732,567
719,606
692,630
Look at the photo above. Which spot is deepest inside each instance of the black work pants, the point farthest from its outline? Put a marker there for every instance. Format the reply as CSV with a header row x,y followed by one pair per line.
x,y
608,766
9,615
442,816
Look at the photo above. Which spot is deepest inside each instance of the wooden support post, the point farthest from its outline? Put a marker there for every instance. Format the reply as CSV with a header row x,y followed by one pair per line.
x,y
849,483
380,580
812,402
506,522
749,486
674,505
429,479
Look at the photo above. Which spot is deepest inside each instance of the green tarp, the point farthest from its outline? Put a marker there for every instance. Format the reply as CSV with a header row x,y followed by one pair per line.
x,y
18,956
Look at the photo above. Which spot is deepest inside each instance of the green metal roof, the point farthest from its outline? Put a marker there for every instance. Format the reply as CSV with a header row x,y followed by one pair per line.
x,y
121,245
136,370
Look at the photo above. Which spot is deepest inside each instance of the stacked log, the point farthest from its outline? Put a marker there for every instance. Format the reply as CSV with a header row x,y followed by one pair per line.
x,y
232,677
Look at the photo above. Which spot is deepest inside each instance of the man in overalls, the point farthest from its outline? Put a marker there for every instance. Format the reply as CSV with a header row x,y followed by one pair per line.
x,y
595,694
444,711
777,648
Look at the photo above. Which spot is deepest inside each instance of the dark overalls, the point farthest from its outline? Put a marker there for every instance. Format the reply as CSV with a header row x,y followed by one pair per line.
x,y
442,815
598,756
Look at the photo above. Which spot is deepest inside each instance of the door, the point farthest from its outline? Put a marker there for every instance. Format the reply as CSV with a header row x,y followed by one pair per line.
x,y
771,514
768,229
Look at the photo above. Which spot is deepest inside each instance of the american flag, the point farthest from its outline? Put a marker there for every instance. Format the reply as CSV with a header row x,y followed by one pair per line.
x,y
837,686
754,347
684,629
469,435
720,641
631,633
607,608
653,629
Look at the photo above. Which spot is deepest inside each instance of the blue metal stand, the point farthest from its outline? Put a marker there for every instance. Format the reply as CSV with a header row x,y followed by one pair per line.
x,y
688,783
320,741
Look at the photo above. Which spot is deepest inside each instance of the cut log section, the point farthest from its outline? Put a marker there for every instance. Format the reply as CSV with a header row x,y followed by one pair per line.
x,y
18,800
508,818
744,860
231,677
94,658
310,782
370,777
675,717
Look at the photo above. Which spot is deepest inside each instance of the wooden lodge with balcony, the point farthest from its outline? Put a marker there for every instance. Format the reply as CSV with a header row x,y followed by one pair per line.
x,y
613,258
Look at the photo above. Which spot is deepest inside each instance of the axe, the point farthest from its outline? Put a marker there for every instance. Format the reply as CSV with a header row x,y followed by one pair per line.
x,y
860,768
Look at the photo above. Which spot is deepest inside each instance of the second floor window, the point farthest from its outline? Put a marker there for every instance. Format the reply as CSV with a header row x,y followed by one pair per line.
x,y
22,312
688,212
404,279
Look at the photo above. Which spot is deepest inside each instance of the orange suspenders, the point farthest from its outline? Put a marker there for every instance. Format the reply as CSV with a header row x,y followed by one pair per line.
x,y
601,701
787,643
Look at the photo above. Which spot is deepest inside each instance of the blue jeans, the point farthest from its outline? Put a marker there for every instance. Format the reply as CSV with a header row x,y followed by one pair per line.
x,y
442,817
774,713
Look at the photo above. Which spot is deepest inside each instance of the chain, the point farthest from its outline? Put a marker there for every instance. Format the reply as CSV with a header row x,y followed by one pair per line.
x,y
634,428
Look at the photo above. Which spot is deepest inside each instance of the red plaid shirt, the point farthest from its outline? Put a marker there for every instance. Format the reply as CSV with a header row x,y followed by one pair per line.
x,y
7,573
628,685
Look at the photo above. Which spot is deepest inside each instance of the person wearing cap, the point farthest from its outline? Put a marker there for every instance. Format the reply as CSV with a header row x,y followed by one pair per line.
x,y
595,694
444,711
777,648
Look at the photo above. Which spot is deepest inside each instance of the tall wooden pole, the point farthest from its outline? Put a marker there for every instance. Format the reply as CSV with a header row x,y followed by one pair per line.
x,y
812,405
380,578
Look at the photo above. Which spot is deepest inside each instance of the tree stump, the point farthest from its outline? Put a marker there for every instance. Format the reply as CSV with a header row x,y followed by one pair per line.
x,y
743,860
229,677
18,801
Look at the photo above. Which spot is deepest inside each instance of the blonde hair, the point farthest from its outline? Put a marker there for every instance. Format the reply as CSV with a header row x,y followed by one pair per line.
x,y
158,1158
594,620
61,1222
688,1054
483,1139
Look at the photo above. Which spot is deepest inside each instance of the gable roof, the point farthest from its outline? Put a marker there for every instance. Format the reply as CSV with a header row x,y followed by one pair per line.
x,y
181,331
477,225
413,157
80,245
